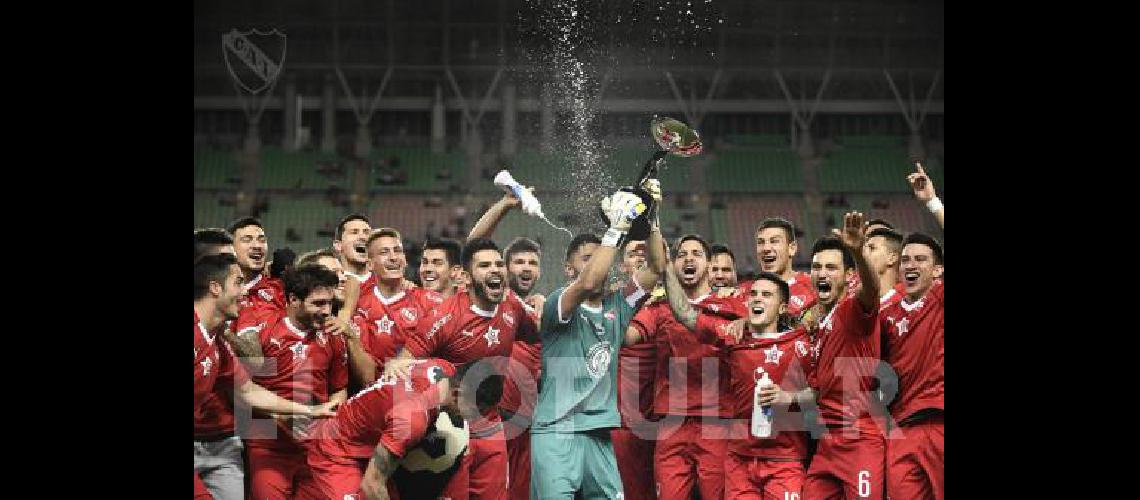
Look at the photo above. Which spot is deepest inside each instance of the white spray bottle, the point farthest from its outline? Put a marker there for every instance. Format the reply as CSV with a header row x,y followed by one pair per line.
x,y
761,415
530,204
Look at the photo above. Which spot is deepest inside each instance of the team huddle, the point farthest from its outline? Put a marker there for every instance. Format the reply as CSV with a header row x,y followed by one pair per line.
x,y
332,376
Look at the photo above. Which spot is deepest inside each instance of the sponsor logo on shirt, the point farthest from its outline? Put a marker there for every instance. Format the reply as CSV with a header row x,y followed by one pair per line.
x,y
798,300
801,348
265,295
437,325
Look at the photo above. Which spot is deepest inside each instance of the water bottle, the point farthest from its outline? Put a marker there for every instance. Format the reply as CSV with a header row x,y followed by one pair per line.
x,y
761,415
530,204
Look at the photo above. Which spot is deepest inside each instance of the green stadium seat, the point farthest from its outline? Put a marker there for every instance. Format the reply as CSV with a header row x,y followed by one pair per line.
x,y
280,169
214,169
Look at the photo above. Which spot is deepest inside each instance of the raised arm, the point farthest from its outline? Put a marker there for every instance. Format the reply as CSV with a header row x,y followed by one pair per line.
x,y
486,225
683,311
924,191
622,208
852,237
648,275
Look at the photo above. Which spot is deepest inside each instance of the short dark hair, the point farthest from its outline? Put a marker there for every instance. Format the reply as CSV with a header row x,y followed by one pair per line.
x,y
785,290
243,222
833,243
214,267
205,239
781,223
310,258
580,240
925,239
349,218
893,239
384,232
717,249
449,246
521,244
300,281
692,237
476,245
879,221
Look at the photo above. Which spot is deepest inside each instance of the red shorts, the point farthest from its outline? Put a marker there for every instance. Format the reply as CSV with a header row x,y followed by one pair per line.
x,y
762,479
200,491
847,465
274,473
518,459
489,467
916,460
340,477
635,464
690,453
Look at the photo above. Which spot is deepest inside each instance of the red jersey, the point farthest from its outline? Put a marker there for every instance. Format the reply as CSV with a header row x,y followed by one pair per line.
x,y
913,342
216,416
392,411
386,322
210,362
307,366
520,388
846,352
892,297
680,356
802,293
460,332
787,361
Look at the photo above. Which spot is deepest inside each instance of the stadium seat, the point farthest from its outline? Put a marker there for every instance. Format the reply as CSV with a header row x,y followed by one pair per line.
x,y
214,169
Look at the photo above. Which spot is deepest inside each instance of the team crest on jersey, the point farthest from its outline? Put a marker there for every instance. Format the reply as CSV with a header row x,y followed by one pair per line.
x,y
206,364
714,307
266,295
598,359
437,325
798,300
408,314
773,355
509,318
801,348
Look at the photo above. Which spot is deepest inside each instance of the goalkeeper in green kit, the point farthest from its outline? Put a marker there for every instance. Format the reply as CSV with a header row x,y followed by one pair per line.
x,y
583,327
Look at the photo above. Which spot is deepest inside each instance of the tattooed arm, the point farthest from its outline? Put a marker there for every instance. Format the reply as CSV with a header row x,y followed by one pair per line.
x,y
683,311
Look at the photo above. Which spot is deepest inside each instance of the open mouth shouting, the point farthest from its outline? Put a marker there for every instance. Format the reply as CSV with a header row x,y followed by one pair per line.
x,y
689,273
495,286
257,257
823,288
525,280
910,279
360,249
768,263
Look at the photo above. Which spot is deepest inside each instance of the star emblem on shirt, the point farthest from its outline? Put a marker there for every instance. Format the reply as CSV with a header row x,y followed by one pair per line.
x,y
773,355
206,364
384,325
298,350
492,336
903,326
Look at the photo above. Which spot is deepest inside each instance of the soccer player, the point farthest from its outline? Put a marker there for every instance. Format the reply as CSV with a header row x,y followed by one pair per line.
x,y
305,364
466,328
691,384
217,451
351,243
358,451
212,240
387,312
770,467
722,267
776,247
265,298
439,266
849,459
218,288
520,386
637,366
582,330
882,251
326,257
874,224
924,191
914,339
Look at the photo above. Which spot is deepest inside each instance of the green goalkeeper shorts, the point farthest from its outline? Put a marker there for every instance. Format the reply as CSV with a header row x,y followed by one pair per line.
x,y
565,463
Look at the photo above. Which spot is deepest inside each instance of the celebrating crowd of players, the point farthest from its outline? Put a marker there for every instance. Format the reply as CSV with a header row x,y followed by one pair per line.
x,y
332,376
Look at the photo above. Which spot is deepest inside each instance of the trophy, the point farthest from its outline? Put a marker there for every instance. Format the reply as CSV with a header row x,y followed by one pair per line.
x,y
671,136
